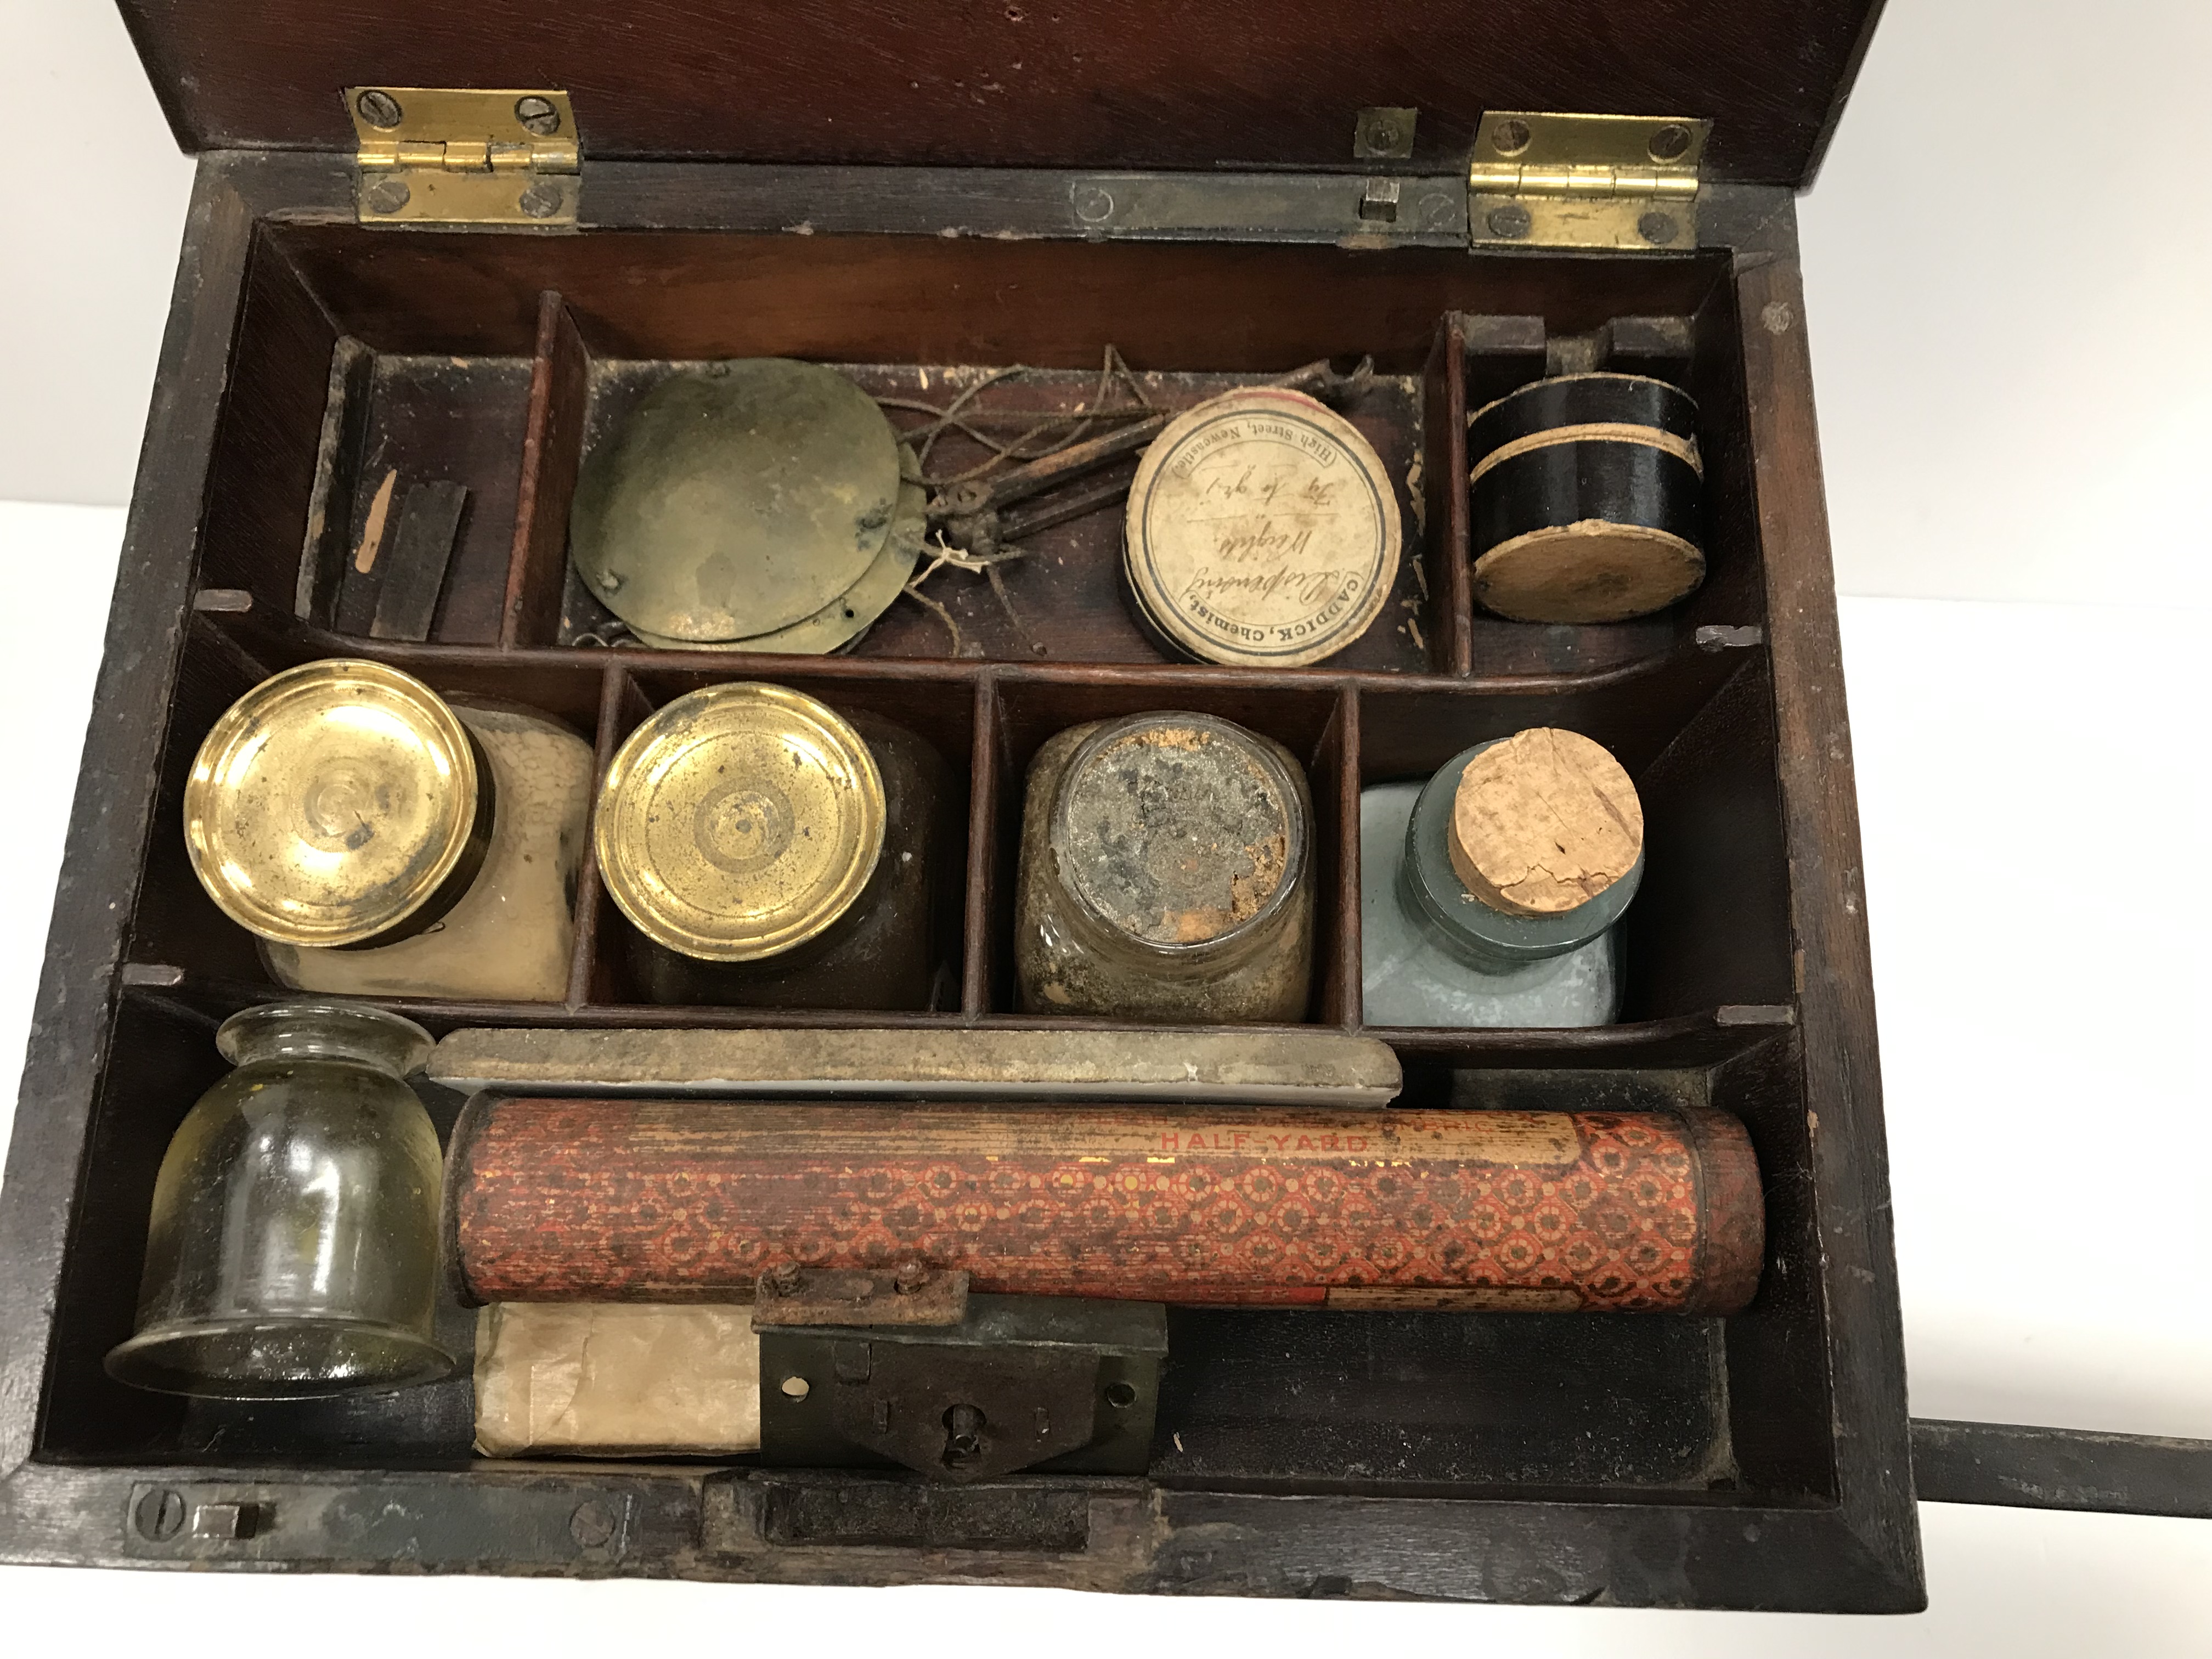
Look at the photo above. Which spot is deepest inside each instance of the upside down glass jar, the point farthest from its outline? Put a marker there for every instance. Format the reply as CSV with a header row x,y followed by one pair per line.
x,y
292,1249
771,852
1491,892
380,840
1166,874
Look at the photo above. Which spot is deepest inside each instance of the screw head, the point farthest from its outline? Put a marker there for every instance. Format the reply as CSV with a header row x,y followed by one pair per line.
x,y
784,1279
1669,142
1510,137
1093,205
1658,228
541,201
160,1515
538,115
1381,135
910,1277
388,195
1511,221
591,1525
378,109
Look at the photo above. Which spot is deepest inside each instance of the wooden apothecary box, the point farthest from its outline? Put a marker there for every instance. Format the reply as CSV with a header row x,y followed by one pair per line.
x,y
1199,187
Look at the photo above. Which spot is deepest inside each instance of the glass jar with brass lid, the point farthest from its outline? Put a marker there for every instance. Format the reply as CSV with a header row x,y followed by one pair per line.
x,y
380,840
1166,874
770,852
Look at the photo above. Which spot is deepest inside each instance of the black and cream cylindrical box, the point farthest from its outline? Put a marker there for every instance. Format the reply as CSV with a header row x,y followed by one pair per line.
x,y
1586,499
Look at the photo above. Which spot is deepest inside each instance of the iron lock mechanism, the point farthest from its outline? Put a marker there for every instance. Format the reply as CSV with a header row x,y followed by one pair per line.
x,y
1021,1383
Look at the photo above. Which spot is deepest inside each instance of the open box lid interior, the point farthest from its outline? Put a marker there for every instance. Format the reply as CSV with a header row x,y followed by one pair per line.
x,y
1088,83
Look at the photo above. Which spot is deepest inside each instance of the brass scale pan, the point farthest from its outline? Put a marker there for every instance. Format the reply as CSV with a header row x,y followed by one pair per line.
x,y
755,504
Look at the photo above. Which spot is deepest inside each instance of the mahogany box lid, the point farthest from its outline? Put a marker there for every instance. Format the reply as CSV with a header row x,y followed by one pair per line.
x,y
1200,84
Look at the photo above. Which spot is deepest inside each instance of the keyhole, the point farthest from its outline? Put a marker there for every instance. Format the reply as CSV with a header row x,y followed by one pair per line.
x,y
963,1435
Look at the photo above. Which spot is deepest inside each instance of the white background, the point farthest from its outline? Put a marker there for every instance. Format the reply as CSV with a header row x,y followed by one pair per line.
x,y
2008,274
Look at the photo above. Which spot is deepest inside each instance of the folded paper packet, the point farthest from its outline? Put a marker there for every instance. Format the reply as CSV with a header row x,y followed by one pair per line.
x,y
622,1380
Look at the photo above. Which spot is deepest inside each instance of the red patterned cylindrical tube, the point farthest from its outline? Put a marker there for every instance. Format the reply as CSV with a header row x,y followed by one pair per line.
x,y
654,1201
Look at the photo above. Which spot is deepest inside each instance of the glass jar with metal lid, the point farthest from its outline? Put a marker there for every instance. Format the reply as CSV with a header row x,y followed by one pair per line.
x,y
1490,893
771,852
1165,874
380,840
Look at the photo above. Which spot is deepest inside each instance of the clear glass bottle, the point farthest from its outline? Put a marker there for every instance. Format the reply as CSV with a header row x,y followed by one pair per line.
x,y
292,1246
772,852
1432,953
380,840
1166,875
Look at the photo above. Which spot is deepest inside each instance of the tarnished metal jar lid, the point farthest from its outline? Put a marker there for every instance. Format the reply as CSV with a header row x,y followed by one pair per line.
x,y
739,822
336,803
736,499
1179,832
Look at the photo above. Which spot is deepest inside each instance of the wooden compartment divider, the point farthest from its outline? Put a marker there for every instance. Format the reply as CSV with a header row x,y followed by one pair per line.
x,y
552,450
987,896
1449,586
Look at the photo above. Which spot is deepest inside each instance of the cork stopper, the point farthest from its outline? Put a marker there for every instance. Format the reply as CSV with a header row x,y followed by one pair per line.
x,y
1543,823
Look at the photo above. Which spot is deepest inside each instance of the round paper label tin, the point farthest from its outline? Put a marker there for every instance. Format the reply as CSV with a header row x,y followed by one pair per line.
x,y
1263,530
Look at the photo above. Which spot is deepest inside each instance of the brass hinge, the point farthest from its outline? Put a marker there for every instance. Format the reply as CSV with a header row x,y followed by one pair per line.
x,y
1622,182
445,155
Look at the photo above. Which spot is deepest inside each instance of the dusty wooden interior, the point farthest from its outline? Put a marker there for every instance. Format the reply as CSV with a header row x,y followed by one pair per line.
x,y
493,360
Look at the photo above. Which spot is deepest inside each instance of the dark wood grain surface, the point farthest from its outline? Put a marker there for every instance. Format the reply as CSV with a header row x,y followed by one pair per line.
x,y
1833,966
1116,83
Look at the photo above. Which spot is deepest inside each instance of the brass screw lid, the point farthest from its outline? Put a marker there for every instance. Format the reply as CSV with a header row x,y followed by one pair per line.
x,y
739,822
333,802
